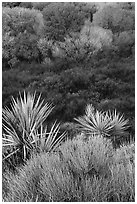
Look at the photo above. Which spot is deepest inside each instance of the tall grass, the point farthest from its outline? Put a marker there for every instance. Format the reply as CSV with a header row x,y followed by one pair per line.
x,y
80,171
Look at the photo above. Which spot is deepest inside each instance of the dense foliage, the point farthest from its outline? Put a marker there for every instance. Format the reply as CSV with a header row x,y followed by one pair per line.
x,y
68,54
62,18
115,18
21,30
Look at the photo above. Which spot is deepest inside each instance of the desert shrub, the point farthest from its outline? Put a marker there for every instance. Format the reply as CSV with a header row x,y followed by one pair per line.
x,y
47,49
35,5
117,79
9,56
123,171
122,5
126,5
96,36
74,49
89,156
83,46
26,178
26,5
125,154
115,18
21,30
70,87
70,174
21,19
62,18
56,177
118,71
107,83
115,82
71,50
125,42
107,87
40,5
17,80
11,4
69,91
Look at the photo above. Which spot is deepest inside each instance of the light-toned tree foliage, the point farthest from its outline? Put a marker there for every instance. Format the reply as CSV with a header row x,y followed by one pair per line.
x,y
61,19
22,27
96,36
115,18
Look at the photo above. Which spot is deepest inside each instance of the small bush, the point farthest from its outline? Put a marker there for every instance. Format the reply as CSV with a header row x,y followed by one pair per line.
x,y
89,157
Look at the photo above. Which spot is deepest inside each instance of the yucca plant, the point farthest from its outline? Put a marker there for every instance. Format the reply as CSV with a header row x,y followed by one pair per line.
x,y
22,124
106,123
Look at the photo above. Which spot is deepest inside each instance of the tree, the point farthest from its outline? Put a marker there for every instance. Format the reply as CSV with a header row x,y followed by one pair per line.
x,y
22,28
115,18
61,19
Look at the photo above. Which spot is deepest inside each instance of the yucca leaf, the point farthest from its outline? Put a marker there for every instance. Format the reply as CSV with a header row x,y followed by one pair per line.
x,y
58,141
50,140
9,155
